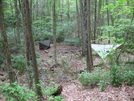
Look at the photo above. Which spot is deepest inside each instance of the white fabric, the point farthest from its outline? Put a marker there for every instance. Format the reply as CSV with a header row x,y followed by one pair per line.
x,y
104,50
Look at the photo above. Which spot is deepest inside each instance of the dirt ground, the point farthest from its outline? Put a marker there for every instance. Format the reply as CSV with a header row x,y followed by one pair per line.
x,y
66,73
72,89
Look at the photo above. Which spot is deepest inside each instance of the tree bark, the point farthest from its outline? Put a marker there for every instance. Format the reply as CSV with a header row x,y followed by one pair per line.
x,y
77,16
95,20
27,24
54,31
82,29
108,17
10,71
89,51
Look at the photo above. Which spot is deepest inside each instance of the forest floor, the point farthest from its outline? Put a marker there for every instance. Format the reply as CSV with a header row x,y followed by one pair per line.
x,y
70,61
66,73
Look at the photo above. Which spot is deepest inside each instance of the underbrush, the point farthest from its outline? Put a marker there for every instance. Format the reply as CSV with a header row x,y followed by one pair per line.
x,y
50,89
116,76
17,93
97,78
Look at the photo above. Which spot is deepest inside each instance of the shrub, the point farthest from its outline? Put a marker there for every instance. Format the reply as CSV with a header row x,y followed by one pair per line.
x,y
50,90
101,78
15,92
42,36
115,75
55,98
19,63
104,80
89,79
128,77
65,63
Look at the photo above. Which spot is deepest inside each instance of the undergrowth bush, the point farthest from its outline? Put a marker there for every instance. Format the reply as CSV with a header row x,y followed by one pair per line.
x,y
18,93
65,63
89,79
41,36
115,75
128,77
104,80
55,98
19,63
50,90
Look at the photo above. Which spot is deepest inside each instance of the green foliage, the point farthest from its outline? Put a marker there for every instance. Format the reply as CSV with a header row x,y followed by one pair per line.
x,y
128,77
19,63
55,98
89,79
98,77
120,32
64,30
15,92
115,75
65,63
50,90
41,36
104,80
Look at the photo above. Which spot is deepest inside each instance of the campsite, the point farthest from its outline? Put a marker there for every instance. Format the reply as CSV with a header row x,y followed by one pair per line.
x,y
66,50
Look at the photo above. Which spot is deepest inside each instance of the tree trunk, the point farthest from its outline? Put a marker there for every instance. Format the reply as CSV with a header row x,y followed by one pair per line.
x,y
84,24
27,25
54,31
17,21
108,17
82,29
10,71
89,51
77,18
95,20
99,18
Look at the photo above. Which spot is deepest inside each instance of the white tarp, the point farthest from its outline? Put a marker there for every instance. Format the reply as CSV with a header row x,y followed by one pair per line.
x,y
104,50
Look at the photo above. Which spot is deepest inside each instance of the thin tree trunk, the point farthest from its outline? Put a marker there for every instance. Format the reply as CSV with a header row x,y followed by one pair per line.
x,y
99,18
17,21
108,17
89,52
77,18
54,31
85,24
27,23
10,71
95,20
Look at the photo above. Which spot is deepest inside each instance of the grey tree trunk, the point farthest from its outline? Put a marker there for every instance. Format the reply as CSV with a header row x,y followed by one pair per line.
x,y
17,21
77,16
95,20
27,23
99,18
54,31
108,17
9,68
83,7
89,51
82,28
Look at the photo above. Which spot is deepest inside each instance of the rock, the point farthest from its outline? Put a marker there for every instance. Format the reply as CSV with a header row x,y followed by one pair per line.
x,y
46,51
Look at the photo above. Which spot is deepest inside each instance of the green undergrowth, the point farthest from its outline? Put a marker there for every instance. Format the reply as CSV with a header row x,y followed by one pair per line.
x,y
17,92
116,76
50,89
